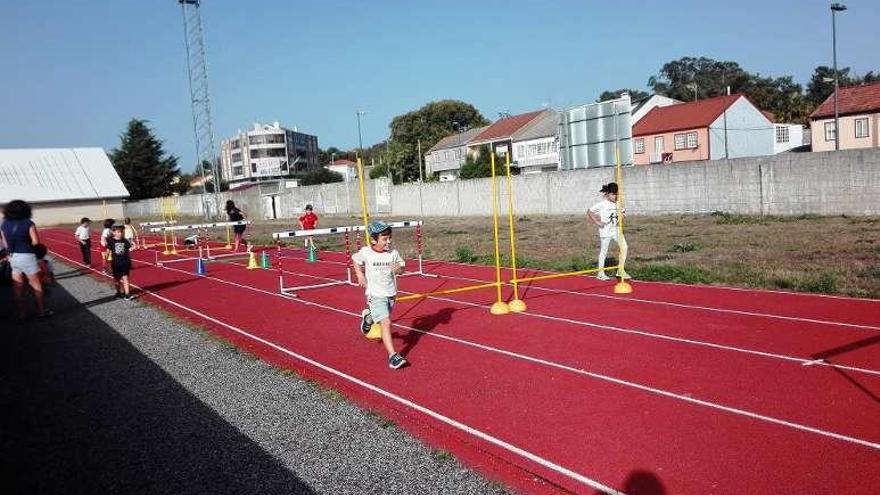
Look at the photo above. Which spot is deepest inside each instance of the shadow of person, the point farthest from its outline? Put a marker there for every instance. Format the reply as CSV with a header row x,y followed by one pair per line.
x,y
641,482
425,323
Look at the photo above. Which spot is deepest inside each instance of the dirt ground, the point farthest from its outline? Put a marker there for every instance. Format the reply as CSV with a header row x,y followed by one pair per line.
x,y
833,255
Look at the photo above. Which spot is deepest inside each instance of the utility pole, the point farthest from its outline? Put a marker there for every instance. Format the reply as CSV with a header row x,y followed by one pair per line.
x,y
835,8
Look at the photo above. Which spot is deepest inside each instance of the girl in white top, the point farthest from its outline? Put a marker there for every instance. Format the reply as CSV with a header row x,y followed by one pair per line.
x,y
604,214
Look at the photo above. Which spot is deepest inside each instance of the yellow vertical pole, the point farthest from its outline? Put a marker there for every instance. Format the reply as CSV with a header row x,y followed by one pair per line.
x,y
516,304
228,238
621,287
364,212
499,307
104,204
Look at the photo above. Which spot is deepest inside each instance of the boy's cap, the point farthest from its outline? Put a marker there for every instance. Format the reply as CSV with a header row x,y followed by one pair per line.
x,y
377,227
611,187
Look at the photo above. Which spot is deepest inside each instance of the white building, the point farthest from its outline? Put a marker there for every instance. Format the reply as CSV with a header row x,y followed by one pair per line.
x,y
536,146
346,168
267,153
447,156
787,137
62,184
645,105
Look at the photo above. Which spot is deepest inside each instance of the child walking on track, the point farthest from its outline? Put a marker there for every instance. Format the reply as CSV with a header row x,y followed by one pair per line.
x,y
83,236
119,248
377,267
130,232
308,221
235,215
106,235
604,214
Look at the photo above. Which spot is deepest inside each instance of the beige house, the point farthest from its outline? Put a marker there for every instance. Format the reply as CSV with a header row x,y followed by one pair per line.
x,y
859,115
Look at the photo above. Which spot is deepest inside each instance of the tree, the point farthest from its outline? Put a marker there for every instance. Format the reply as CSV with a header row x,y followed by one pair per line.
x,y
429,124
781,96
141,163
320,176
821,84
691,78
634,94
478,165
180,186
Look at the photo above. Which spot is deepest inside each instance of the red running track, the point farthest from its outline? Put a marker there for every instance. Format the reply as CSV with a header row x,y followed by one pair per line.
x,y
688,388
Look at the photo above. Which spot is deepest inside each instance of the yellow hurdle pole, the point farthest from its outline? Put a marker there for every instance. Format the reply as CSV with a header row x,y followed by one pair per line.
x,y
364,212
516,304
622,287
500,307
560,275
447,291
228,238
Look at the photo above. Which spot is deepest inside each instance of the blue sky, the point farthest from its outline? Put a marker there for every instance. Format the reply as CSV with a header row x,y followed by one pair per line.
x,y
74,72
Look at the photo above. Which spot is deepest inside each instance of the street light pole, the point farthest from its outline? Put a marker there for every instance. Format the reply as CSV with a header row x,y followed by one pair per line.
x,y
835,8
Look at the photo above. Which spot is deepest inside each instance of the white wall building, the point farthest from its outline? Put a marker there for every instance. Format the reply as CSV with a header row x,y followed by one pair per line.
x,y
346,168
267,152
787,136
645,105
748,131
536,146
62,184
447,156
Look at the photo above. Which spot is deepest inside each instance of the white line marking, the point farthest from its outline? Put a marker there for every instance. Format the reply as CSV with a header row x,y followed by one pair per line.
x,y
551,364
394,397
815,361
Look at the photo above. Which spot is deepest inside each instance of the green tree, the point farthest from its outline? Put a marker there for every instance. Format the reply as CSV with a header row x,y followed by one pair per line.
x,y
634,94
181,185
142,164
821,84
479,165
429,124
320,176
691,78
782,96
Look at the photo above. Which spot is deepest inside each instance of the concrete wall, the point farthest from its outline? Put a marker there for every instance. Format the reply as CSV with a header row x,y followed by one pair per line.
x,y
72,211
832,183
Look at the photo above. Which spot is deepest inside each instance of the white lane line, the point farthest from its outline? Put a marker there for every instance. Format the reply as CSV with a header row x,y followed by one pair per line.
x,y
552,364
630,331
390,395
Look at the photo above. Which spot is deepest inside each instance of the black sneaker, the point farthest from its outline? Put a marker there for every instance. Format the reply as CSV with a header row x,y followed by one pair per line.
x,y
396,361
366,321
119,295
129,297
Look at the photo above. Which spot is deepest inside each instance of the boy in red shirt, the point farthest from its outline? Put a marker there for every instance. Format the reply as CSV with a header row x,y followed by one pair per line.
x,y
308,221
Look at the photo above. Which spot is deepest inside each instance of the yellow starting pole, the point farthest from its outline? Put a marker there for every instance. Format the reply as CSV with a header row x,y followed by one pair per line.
x,y
499,307
364,213
228,238
516,304
622,286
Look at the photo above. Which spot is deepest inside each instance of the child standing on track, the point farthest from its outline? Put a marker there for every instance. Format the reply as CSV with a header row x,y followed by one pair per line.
x,y
308,221
106,235
130,232
235,215
119,248
83,237
377,267
604,214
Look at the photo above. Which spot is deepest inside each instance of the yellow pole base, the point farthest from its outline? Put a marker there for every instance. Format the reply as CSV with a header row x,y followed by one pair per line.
x,y
516,306
622,287
375,332
173,250
228,246
166,252
499,308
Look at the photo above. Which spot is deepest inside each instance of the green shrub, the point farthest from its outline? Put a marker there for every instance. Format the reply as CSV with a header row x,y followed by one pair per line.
x,y
672,273
464,254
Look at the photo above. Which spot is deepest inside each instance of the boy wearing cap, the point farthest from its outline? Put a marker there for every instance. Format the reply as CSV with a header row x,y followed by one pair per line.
x,y
376,267
119,248
604,215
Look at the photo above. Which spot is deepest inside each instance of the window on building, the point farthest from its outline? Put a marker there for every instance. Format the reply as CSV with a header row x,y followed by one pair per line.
x,y
680,141
235,144
253,167
781,134
829,131
521,150
457,154
862,128
554,147
236,157
446,155
639,146
659,145
237,171
692,140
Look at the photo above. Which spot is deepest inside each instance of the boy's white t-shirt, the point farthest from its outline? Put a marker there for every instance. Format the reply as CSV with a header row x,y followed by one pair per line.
x,y
607,213
381,281
82,233
105,234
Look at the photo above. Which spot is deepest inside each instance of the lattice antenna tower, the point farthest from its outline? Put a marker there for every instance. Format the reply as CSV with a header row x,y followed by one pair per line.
x,y
197,69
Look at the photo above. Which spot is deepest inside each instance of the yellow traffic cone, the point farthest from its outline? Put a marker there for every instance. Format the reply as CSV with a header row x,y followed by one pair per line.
x,y
252,261
375,332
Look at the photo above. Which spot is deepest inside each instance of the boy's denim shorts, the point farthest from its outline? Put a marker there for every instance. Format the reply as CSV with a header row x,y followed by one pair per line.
x,y
380,307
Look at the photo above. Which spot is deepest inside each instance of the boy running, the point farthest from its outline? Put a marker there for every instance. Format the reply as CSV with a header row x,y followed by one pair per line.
x,y
377,267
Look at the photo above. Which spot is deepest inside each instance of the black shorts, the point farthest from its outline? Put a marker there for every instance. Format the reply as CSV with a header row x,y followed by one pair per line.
x,y
239,229
121,270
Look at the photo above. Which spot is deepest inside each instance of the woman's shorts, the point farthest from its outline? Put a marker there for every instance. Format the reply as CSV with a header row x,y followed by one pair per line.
x,y
24,263
380,307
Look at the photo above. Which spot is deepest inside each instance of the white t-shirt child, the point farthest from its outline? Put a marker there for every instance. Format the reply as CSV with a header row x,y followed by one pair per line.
x,y
607,212
82,233
381,281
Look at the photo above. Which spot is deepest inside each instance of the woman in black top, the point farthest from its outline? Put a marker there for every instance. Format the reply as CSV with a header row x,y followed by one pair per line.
x,y
235,215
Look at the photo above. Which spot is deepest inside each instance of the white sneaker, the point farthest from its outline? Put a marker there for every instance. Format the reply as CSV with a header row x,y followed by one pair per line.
x,y
602,276
625,276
